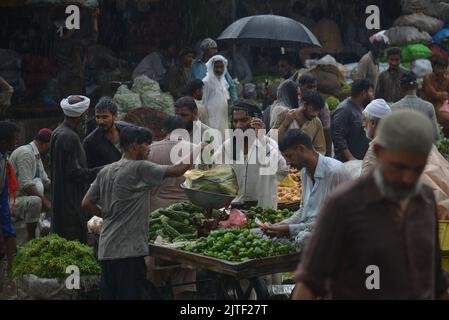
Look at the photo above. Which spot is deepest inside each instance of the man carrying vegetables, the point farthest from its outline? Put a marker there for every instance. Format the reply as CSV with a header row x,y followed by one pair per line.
x,y
120,194
318,174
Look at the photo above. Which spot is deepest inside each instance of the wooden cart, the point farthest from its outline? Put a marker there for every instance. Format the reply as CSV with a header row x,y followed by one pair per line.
x,y
227,274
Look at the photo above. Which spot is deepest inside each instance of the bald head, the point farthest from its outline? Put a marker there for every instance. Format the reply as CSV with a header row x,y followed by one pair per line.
x,y
406,130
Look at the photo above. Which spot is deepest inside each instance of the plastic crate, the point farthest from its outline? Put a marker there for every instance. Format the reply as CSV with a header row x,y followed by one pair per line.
x,y
445,263
444,243
444,236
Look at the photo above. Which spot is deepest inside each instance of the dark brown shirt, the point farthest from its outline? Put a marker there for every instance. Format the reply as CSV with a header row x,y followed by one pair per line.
x,y
389,86
358,228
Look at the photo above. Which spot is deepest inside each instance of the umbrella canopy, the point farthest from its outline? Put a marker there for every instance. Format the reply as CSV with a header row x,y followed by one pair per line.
x,y
269,31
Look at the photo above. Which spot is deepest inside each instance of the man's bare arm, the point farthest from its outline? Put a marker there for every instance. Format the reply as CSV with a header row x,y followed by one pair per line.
x,y
302,292
91,207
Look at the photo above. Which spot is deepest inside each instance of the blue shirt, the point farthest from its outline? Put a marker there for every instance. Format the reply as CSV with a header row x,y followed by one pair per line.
x,y
199,70
5,211
314,193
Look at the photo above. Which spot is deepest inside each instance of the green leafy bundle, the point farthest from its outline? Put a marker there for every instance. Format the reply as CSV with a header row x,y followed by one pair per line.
x,y
48,257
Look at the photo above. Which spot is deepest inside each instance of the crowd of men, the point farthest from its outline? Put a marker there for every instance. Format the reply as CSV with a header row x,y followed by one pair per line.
x,y
387,217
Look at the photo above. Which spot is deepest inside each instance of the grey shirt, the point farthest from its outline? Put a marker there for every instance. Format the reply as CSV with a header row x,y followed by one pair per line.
x,y
415,103
121,189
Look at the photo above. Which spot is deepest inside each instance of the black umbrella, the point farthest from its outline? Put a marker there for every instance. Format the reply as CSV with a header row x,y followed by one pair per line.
x,y
269,31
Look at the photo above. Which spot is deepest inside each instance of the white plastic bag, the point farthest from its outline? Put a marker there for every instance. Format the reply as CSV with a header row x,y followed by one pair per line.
x,y
94,225
43,226
31,287
422,67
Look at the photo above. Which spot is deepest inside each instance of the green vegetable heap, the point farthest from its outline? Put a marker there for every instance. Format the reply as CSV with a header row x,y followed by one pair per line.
x,y
177,222
266,215
443,145
48,257
236,245
332,102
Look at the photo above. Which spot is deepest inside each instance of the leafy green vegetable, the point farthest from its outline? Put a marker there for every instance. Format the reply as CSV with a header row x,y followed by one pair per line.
x,y
443,145
268,215
332,102
48,257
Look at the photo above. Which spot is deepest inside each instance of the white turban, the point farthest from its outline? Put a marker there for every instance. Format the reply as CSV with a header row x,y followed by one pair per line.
x,y
377,108
77,109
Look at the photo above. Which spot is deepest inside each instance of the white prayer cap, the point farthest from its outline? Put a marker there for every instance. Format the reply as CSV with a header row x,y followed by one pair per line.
x,y
406,130
208,43
75,110
377,108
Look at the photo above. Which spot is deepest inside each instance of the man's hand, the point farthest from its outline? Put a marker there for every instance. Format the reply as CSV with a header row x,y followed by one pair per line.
x,y
277,230
257,124
289,118
299,116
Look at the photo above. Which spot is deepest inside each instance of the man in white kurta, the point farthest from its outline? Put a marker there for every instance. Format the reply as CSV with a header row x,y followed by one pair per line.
x,y
257,162
216,93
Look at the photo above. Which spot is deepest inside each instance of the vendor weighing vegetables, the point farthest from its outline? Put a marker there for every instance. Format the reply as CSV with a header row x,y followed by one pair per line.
x,y
120,194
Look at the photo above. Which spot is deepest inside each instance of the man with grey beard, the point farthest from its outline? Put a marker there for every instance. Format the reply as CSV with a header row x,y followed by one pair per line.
x,y
377,237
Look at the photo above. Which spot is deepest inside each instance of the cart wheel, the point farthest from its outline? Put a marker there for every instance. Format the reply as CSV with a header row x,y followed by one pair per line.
x,y
291,293
260,287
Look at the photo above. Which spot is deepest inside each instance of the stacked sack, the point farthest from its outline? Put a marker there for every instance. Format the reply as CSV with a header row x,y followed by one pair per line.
x,y
144,93
420,33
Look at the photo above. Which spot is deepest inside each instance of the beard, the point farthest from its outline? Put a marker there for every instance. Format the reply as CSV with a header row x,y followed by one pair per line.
x,y
104,129
394,192
367,133
189,126
366,102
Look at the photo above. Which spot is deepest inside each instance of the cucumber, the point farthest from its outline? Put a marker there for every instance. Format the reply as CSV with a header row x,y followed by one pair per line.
x,y
178,225
176,215
170,231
